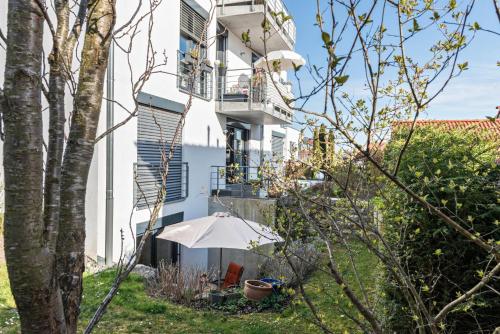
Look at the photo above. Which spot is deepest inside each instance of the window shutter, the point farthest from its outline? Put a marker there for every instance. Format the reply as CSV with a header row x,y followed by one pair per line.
x,y
277,147
192,23
155,128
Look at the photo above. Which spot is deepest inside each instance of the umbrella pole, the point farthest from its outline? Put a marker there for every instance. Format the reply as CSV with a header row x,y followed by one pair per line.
x,y
220,266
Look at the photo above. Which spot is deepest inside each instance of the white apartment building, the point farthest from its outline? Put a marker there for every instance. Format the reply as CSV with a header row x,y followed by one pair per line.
x,y
237,117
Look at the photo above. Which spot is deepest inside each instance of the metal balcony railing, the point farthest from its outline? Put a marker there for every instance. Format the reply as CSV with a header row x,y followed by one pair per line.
x,y
239,181
148,181
201,83
254,88
273,7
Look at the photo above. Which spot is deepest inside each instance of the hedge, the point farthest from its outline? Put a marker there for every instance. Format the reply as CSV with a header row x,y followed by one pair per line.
x,y
455,170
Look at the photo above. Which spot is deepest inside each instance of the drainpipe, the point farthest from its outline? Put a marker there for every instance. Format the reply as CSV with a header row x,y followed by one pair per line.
x,y
262,145
110,94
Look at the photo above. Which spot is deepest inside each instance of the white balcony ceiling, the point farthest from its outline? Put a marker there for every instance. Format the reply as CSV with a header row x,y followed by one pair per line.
x,y
240,19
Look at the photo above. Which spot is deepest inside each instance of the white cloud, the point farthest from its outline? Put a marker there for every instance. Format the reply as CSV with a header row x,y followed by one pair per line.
x,y
474,94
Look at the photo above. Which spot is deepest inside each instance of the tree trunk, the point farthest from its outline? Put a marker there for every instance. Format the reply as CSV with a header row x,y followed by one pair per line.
x,y
29,263
59,63
78,156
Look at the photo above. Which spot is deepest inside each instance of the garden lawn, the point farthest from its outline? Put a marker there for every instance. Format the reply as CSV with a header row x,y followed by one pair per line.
x,y
133,311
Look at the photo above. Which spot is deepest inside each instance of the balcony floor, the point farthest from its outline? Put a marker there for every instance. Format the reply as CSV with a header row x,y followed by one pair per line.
x,y
258,114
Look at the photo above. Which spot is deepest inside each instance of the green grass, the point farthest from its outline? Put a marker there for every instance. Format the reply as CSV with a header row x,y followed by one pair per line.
x,y
133,311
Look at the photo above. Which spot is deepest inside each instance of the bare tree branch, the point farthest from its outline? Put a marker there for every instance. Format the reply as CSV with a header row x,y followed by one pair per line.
x,y
467,295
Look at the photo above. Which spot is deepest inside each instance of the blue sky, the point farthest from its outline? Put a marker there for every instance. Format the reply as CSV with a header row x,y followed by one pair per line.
x,y
474,94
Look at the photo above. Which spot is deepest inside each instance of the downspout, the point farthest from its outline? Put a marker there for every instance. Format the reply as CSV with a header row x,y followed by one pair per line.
x,y
261,145
110,94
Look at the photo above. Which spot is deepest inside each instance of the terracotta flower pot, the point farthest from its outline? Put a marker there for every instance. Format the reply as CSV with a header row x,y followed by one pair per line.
x,y
257,290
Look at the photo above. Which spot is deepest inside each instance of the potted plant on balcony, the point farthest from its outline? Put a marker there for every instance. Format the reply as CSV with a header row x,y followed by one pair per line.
x,y
192,55
206,65
221,69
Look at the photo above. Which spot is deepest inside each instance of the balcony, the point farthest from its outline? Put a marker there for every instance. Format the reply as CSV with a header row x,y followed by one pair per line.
x,y
239,16
251,96
201,84
238,181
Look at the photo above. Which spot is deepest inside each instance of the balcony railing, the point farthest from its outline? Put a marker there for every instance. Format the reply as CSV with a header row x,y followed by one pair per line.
x,y
273,7
199,83
254,89
148,181
239,181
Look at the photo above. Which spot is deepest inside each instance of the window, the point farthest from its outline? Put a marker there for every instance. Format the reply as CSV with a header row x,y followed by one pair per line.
x,y
156,250
208,135
277,145
193,39
155,131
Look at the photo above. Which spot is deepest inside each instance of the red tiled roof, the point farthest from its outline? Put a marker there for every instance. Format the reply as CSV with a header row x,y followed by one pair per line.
x,y
490,127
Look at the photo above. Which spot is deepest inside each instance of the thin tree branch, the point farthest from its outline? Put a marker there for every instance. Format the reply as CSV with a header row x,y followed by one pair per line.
x,y
467,295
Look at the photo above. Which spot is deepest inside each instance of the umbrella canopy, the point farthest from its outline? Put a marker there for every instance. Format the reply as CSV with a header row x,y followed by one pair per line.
x,y
287,59
219,231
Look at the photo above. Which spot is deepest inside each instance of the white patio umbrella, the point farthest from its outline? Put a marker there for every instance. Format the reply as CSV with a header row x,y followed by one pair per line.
x,y
221,230
286,58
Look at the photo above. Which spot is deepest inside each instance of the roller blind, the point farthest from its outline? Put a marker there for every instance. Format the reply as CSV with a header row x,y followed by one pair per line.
x,y
192,23
155,131
277,147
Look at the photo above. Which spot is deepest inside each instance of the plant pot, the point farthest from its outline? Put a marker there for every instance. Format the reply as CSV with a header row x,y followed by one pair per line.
x,y
222,71
206,68
216,297
188,58
257,290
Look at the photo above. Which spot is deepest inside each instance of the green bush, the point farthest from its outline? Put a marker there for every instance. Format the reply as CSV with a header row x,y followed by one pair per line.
x,y
455,171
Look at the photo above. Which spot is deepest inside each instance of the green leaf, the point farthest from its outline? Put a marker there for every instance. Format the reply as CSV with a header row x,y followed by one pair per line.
x,y
341,79
475,26
326,38
319,20
335,61
296,68
463,66
416,26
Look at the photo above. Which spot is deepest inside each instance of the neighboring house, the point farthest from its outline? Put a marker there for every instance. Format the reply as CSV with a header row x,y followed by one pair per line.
x,y
305,149
486,127
233,121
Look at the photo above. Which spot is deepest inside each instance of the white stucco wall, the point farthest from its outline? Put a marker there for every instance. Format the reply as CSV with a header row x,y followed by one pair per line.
x,y
197,151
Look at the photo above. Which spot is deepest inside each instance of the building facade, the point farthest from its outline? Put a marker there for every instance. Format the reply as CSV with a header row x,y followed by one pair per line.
x,y
237,118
